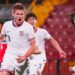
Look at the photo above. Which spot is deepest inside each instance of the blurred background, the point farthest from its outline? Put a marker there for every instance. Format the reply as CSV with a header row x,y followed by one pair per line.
x,y
58,18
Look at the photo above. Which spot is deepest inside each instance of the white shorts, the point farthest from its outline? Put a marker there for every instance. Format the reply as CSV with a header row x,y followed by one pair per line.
x,y
9,62
34,67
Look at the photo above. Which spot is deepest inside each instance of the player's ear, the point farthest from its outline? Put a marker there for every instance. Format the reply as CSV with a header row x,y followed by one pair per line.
x,y
12,12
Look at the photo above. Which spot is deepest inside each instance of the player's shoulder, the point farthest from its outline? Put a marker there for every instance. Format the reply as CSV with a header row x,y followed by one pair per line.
x,y
43,30
8,22
27,24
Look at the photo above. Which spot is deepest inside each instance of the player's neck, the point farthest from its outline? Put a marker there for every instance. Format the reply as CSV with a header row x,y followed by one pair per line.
x,y
35,28
16,24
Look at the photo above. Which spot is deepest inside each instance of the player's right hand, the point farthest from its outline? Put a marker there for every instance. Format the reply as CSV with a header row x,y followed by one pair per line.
x,y
20,59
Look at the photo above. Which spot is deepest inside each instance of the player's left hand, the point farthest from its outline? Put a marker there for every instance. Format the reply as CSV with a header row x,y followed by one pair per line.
x,y
20,59
62,54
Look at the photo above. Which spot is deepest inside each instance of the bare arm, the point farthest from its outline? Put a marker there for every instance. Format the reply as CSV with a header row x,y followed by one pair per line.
x,y
29,52
57,46
31,49
1,37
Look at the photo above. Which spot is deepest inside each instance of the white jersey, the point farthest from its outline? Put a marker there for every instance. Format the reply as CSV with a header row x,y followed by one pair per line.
x,y
41,35
18,36
37,61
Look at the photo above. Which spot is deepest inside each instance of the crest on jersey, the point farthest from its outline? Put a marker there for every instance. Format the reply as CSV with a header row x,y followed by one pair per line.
x,y
21,33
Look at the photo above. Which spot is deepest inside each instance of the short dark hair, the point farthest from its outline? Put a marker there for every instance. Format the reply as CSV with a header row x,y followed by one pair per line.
x,y
30,15
19,6
1,22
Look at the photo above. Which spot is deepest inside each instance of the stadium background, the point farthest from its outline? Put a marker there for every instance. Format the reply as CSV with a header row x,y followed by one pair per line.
x,y
56,17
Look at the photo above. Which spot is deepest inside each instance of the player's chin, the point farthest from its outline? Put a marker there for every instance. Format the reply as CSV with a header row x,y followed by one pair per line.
x,y
19,22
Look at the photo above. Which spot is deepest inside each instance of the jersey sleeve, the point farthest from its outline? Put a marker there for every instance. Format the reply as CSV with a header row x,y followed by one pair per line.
x,y
47,35
31,33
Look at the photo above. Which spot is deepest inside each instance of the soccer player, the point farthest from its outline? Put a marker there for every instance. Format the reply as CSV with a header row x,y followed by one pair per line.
x,y
37,61
21,37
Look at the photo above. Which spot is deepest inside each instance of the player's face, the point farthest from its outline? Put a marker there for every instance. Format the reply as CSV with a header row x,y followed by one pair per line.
x,y
19,16
32,20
